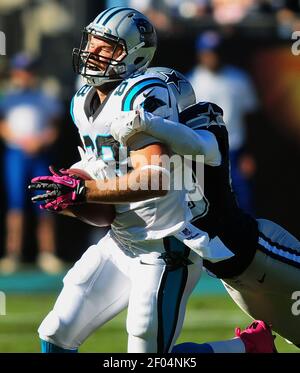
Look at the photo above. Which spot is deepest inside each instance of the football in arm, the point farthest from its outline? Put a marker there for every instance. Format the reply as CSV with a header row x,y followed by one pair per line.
x,y
97,214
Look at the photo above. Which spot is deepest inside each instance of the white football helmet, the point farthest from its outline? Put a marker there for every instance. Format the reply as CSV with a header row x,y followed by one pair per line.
x,y
180,86
126,28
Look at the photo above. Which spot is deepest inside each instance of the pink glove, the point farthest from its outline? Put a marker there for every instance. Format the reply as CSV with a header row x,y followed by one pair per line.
x,y
62,190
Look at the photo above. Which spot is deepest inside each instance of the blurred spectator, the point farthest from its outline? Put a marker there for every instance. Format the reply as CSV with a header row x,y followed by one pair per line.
x,y
28,126
225,11
287,23
159,12
165,13
231,89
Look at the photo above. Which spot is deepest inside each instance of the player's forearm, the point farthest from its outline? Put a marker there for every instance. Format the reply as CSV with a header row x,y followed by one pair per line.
x,y
180,138
184,140
133,187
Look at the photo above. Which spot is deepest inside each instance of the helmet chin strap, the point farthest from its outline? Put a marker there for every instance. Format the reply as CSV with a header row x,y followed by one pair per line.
x,y
99,81
138,46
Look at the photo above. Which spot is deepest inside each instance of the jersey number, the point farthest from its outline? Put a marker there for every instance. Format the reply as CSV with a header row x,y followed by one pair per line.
x,y
198,203
121,89
83,90
104,151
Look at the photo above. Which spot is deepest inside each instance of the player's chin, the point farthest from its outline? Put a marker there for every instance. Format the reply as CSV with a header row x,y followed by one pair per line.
x,y
96,65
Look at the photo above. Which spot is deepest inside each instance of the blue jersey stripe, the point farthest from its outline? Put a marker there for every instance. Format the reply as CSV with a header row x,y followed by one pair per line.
x,y
133,92
72,110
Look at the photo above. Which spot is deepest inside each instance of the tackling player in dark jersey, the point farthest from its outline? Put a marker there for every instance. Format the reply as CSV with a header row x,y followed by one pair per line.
x,y
264,273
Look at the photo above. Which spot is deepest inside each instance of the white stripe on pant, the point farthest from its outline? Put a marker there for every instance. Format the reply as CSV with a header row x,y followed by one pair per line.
x,y
265,289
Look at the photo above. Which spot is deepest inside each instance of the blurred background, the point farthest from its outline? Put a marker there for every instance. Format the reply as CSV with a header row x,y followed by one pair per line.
x,y
237,53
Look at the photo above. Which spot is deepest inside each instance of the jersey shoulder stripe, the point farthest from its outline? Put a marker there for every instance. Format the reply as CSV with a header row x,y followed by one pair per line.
x,y
202,114
198,108
137,88
72,110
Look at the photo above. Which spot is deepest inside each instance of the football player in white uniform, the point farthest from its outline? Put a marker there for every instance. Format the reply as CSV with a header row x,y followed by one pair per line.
x,y
263,276
137,264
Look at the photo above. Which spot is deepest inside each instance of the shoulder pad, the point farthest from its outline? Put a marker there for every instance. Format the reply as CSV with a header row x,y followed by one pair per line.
x,y
202,114
131,88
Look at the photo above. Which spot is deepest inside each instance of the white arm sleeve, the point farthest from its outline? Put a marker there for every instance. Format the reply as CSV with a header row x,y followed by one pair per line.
x,y
184,140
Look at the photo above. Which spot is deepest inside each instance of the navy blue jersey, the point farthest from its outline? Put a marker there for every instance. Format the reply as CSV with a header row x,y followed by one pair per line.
x,y
223,216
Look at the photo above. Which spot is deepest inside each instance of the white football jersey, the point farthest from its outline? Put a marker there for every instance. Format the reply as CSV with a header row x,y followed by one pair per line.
x,y
146,220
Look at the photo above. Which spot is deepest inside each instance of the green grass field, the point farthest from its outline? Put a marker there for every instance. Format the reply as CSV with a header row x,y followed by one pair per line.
x,y
208,318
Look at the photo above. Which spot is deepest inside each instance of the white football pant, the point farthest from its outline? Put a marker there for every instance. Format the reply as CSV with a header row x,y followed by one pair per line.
x,y
269,288
108,278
